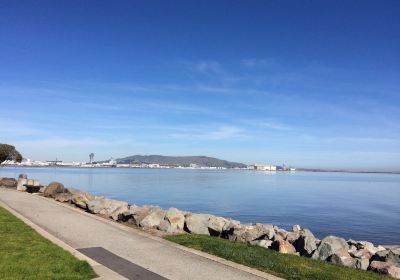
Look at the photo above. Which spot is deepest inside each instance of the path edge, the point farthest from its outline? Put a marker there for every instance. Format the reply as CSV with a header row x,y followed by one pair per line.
x,y
103,272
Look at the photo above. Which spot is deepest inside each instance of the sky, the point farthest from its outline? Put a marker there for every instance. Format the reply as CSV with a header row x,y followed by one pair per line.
x,y
305,83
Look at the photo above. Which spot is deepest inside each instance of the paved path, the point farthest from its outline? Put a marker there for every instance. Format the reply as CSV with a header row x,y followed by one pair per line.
x,y
82,230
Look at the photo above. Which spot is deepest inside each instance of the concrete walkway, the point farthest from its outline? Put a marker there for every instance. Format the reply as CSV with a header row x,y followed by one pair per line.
x,y
82,230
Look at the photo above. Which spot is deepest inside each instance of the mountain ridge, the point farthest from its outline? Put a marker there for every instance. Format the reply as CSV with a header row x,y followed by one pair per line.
x,y
202,161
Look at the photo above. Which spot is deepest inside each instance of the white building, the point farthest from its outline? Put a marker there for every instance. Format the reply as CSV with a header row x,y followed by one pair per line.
x,y
264,167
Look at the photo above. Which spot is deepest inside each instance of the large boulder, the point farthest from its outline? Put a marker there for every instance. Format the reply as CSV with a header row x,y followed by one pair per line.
x,y
153,219
114,209
21,184
262,243
105,206
306,245
284,247
343,258
63,197
137,214
249,233
385,268
174,221
81,199
329,246
361,257
198,223
53,188
391,256
8,183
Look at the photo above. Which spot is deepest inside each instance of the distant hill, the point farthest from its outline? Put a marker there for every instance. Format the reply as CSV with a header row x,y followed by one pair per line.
x,y
181,161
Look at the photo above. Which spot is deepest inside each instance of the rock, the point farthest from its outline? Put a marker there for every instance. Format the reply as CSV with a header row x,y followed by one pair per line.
x,y
23,176
175,221
216,225
343,258
53,188
394,257
139,213
8,183
262,243
105,206
229,226
329,246
81,199
108,207
153,219
362,263
362,258
292,237
63,197
305,245
296,228
21,184
252,232
117,214
280,233
306,232
385,268
284,247
391,256
198,223
73,191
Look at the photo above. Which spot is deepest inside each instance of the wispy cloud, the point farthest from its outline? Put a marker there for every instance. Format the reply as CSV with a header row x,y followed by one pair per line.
x,y
211,133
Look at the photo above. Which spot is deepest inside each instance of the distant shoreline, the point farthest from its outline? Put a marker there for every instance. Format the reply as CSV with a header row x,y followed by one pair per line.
x,y
280,171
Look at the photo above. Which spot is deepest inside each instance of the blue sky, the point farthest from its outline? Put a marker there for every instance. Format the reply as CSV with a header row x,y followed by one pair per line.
x,y
307,83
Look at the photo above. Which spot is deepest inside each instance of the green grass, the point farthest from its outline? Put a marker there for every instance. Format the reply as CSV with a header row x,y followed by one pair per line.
x,y
24,254
285,266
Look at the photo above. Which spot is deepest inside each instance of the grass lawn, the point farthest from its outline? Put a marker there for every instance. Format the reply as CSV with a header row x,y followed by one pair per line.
x,y
285,266
24,254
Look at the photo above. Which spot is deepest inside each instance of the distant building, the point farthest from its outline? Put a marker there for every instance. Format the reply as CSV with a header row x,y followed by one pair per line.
x,y
264,167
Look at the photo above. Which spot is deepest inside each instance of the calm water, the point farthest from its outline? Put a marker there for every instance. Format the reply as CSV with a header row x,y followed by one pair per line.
x,y
358,206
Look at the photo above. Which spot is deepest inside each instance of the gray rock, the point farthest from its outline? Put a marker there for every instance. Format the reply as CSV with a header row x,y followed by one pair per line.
x,y
343,258
306,232
23,176
53,188
292,237
117,214
329,246
73,191
106,206
280,233
252,232
385,268
63,197
229,226
394,257
153,219
216,225
362,263
21,184
262,243
296,228
81,199
391,256
139,213
198,223
8,183
305,245
175,219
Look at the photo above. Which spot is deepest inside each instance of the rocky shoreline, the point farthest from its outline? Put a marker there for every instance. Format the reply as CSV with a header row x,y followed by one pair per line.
x,y
300,241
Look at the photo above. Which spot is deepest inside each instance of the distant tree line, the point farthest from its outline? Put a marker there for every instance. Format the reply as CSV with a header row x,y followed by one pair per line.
x,y
8,152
